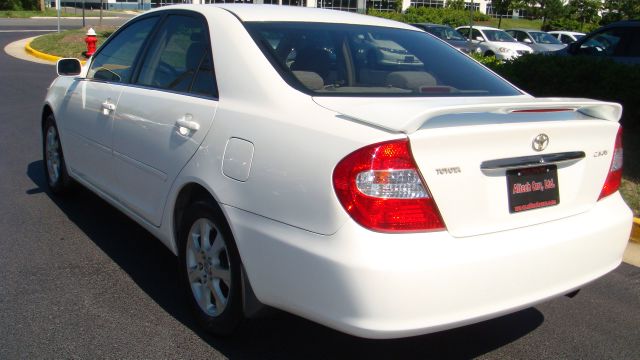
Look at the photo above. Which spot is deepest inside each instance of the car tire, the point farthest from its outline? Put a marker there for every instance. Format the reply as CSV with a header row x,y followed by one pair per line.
x,y
55,168
489,53
210,269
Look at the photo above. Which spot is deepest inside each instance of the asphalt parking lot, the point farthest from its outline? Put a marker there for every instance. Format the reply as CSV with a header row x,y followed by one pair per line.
x,y
80,280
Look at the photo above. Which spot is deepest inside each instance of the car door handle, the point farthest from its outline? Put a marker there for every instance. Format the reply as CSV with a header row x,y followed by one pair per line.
x,y
108,106
186,125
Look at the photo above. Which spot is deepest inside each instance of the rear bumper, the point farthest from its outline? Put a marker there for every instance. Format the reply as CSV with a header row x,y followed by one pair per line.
x,y
386,286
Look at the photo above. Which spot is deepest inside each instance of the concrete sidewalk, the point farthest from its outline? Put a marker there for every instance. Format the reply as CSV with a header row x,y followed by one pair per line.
x,y
17,50
632,254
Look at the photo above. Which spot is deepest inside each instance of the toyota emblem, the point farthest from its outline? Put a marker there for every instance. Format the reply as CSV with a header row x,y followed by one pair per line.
x,y
540,142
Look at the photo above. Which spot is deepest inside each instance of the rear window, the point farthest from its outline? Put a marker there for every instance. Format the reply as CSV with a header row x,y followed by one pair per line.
x,y
358,60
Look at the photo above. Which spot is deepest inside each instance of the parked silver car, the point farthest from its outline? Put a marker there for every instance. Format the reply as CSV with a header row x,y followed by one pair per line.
x,y
539,41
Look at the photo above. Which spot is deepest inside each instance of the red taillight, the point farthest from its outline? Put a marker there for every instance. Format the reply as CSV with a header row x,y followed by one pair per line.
x,y
612,183
381,188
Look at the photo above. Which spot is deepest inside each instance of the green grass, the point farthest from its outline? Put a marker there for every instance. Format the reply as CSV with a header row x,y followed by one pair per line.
x,y
28,14
69,43
513,23
630,188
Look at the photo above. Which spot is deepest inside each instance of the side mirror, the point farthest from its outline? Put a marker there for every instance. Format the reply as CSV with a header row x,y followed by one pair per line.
x,y
527,40
479,38
68,67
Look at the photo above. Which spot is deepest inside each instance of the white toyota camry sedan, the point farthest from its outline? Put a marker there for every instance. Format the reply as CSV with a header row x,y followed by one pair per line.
x,y
288,168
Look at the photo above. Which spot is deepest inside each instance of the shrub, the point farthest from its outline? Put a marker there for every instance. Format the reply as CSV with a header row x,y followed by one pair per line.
x,y
10,5
489,61
577,76
570,25
451,17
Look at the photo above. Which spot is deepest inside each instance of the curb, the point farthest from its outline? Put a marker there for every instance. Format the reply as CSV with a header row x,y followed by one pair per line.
x,y
40,55
635,231
75,17
43,56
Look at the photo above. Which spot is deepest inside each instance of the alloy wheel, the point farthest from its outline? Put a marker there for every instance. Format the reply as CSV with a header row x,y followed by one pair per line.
x,y
208,267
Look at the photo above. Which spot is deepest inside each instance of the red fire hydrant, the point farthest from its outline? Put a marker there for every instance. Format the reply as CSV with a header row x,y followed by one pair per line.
x,y
91,41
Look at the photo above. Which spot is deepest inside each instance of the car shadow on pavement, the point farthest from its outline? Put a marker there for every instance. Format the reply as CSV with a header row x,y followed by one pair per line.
x,y
280,335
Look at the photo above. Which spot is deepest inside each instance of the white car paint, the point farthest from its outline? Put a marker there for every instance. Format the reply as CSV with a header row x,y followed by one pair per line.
x,y
573,35
302,252
500,49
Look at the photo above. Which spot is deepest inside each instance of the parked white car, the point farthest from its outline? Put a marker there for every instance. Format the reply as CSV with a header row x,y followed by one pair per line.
x,y
490,41
282,170
567,37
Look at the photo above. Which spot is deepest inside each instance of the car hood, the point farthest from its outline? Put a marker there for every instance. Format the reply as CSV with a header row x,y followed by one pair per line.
x,y
460,44
510,45
406,115
548,47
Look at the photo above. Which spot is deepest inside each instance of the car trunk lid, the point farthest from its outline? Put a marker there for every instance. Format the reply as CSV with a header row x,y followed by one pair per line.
x,y
494,166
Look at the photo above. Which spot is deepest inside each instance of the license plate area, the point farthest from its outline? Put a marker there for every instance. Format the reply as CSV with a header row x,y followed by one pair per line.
x,y
532,188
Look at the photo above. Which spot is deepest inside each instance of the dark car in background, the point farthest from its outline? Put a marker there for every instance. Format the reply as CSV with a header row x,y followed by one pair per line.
x,y
619,41
448,34
539,41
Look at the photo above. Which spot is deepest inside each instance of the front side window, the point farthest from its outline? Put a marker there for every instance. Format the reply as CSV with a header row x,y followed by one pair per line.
x,y
115,60
357,60
179,57
620,42
605,43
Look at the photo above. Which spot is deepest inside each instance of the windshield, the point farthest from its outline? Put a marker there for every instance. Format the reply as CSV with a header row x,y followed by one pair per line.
x,y
357,60
543,38
446,33
498,35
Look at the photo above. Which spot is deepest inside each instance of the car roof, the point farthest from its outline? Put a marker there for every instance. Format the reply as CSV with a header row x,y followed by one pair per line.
x,y
566,32
431,25
480,27
624,23
525,30
265,13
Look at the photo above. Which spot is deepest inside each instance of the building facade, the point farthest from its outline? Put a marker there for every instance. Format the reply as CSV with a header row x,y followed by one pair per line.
x,y
345,5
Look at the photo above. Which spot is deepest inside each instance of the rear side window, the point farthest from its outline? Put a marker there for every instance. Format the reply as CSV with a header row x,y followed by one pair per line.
x,y
566,39
179,58
358,60
115,60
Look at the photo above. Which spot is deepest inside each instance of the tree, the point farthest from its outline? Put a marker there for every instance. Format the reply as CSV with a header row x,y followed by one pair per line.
x,y
616,10
546,9
455,4
501,7
584,11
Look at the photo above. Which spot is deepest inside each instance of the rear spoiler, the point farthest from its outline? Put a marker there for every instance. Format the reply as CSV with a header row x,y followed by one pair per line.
x,y
411,114
593,108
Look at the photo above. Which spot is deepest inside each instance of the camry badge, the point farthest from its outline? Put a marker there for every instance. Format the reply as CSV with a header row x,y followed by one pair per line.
x,y
540,142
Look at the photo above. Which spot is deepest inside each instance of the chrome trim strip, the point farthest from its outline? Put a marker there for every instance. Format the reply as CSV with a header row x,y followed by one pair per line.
x,y
531,161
